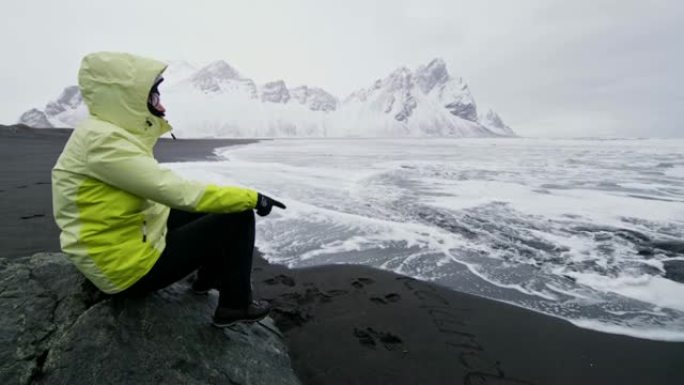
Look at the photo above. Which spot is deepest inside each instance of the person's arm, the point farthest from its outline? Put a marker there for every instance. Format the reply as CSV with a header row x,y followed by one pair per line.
x,y
118,162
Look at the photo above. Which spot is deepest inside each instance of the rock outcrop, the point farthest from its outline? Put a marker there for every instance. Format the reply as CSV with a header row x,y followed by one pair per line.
x,y
56,328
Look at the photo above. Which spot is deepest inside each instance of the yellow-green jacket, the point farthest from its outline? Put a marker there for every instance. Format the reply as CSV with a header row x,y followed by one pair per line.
x,y
111,198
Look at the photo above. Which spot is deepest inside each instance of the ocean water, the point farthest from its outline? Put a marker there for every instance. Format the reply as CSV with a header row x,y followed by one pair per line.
x,y
577,229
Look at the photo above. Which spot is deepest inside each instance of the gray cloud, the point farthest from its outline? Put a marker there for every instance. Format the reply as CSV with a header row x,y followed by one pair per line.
x,y
550,67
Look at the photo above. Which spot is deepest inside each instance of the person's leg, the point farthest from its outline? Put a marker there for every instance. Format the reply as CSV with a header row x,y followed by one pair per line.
x,y
221,244
223,241
205,279
186,250
171,265
235,298
235,267
228,267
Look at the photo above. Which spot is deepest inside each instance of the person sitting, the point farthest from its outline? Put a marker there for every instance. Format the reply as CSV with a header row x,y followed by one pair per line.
x,y
131,226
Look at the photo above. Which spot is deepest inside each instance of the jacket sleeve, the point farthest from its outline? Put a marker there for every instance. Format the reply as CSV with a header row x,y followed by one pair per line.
x,y
120,163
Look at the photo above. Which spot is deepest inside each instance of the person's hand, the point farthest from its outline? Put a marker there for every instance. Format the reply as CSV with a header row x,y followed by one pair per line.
x,y
265,204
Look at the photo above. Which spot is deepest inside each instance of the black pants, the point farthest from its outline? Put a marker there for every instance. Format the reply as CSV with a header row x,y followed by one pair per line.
x,y
219,245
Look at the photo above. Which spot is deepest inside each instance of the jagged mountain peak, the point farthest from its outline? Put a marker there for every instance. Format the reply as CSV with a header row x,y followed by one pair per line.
x,y
399,94
425,77
437,62
493,116
494,123
432,74
220,69
210,77
69,99
65,111
316,98
35,118
275,92
400,72
217,101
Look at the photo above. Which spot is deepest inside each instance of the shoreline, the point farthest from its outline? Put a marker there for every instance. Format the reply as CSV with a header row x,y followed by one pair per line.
x,y
395,329
355,324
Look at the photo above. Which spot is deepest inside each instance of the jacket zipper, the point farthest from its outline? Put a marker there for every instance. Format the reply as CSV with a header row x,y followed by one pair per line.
x,y
144,231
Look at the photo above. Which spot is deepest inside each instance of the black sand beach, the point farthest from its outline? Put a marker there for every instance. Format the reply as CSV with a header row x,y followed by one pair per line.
x,y
358,325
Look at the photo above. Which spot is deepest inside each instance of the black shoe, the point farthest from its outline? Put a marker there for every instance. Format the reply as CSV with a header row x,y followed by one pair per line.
x,y
227,316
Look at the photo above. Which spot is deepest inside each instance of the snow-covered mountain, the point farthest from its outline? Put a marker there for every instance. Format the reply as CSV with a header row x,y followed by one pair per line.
x,y
216,100
65,111
35,118
493,122
219,77
316,99
424,102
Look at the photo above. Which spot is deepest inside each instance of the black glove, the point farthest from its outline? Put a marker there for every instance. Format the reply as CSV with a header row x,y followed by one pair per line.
x,y
265,204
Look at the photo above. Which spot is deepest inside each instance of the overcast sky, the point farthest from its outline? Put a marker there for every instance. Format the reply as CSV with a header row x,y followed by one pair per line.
x,y
549,67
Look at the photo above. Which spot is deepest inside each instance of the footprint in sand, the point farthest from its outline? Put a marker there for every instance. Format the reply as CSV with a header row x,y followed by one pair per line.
x,y
372,338
389,298
360,283
280,280
392,297
312,295
289,317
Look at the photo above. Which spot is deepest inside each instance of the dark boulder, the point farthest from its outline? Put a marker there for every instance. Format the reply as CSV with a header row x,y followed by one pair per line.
x,y
56,328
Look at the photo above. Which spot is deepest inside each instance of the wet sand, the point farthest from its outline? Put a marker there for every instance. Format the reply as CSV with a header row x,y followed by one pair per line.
x,y
359,325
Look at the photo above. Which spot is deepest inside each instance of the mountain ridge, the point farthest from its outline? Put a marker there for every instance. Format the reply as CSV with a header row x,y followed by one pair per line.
x,y
217,100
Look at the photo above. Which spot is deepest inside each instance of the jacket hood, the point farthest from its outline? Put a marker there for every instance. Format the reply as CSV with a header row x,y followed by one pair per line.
x,y
115,87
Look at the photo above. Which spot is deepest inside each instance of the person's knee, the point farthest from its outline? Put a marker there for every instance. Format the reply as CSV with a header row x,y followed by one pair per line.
x,y
248,215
